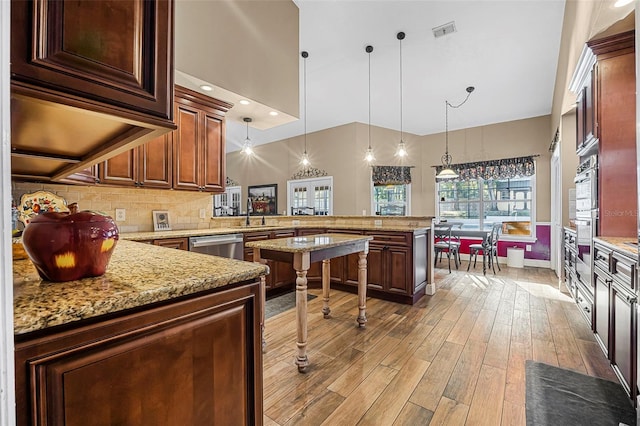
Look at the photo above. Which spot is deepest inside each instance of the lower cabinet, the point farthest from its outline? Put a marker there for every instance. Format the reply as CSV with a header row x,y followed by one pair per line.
x,y
175,243
193,361
615,318
281,275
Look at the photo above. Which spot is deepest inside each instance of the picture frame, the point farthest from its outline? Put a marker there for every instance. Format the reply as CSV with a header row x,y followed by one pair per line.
x,y
264,199
161,220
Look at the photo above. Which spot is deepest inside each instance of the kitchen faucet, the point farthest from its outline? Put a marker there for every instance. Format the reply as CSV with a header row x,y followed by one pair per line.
x,y
248,222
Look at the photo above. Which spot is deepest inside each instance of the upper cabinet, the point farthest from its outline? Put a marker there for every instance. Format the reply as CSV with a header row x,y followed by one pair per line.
x,y
615,113
586,124
199,142
89,79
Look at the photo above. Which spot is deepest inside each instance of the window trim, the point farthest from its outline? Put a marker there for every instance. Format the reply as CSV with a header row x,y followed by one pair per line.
x,y
310,182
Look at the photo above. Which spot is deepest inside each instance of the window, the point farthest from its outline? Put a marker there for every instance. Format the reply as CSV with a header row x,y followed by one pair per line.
x,y
478,203
310,196
391,200
228,202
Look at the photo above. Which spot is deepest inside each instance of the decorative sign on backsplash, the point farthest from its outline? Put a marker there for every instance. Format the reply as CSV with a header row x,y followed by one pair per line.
x,y
161,220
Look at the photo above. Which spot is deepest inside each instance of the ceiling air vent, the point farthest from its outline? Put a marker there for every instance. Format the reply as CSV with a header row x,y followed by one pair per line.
x,y
444,30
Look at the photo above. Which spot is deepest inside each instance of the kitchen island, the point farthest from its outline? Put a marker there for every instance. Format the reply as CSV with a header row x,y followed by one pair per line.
x,y
163,337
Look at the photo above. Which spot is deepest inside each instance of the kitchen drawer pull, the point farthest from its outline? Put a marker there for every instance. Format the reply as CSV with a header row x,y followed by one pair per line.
x,y
631,299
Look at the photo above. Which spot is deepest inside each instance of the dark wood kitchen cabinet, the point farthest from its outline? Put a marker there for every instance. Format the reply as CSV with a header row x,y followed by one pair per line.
x,y
147,166
390,262
616,311
315,269
344,269
98,75
199,142
197,360
174,243
615,115
586,122
281,275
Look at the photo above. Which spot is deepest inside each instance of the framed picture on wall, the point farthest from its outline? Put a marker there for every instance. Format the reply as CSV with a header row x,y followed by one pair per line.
x,y
161,220
264,199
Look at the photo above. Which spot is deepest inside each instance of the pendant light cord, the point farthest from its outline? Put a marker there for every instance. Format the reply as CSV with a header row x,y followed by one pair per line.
x,y
305,55
369,49
447,158
400,37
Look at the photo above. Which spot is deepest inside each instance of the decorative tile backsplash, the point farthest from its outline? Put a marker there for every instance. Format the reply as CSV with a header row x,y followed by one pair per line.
x,y
183,206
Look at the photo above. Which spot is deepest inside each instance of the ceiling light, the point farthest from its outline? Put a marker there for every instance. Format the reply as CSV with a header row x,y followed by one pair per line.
x,y
369,157
247,147
444,30
244,102
273,113
305,156
401,151
621,3
447,172
206,87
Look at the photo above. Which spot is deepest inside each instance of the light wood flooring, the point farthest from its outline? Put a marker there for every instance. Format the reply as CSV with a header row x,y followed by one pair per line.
x,y
455,358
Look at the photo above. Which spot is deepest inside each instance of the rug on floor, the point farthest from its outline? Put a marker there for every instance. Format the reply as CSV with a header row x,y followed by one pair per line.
x,y
557,396
282,303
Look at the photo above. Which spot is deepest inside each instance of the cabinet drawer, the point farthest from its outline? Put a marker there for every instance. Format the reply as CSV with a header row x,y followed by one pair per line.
x,y
257,236
391,238
584,301
623,270
601,256
284,233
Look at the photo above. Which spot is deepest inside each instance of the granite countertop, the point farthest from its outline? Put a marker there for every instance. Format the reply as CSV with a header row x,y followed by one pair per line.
x,y
150,235
138,274
621,244
307,243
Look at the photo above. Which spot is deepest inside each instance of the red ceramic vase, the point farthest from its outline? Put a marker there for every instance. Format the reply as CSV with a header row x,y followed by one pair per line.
x,y
70,246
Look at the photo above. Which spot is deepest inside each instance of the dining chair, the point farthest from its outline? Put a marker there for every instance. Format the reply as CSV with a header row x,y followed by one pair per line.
x,y
489,249
455,239
442,243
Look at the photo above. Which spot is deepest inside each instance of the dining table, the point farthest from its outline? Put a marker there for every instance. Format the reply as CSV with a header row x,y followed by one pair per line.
x,y
301,252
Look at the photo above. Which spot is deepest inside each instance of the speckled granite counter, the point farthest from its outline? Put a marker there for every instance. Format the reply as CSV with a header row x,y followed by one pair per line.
x,y
145,236
137,275
621,244
307,243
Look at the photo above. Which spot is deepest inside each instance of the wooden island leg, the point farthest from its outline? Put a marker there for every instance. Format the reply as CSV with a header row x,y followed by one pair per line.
x,y
326,276
362,287
301,265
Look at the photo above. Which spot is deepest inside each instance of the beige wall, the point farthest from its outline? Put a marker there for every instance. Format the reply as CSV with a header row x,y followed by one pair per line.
x,y
340,152
183,206
247,47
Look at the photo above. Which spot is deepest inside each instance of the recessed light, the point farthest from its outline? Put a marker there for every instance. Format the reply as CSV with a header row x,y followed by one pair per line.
x,y
206,87
621,3
273,113
245,102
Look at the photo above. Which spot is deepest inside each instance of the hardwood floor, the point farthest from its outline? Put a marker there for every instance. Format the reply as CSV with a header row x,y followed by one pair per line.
x,y
455,358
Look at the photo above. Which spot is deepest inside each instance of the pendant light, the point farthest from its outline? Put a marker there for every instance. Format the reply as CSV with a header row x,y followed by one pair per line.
x,y
305,156
247,147
401,151
369,157
447,172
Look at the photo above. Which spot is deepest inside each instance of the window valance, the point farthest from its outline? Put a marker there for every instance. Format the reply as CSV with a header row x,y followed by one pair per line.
x,y
505,168
391,175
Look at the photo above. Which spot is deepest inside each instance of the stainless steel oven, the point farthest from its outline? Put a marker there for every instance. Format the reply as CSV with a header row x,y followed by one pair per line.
x,y
586,181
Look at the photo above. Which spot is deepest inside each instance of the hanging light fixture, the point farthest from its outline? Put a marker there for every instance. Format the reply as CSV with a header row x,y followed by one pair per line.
x,y
401,151
447,172
369,157
247,147
305,156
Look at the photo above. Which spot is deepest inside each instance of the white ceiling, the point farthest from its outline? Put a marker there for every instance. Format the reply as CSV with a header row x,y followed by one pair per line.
x,y
507,49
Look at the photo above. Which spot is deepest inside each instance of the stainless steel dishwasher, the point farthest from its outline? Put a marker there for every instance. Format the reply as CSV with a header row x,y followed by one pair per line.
x,y
227,245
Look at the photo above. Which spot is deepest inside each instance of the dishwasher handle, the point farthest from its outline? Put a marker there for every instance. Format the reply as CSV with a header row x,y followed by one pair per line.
x,y
214,240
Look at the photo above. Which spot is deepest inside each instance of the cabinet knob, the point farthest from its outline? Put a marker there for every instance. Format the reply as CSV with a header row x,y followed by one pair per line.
x,y
631,299
141,184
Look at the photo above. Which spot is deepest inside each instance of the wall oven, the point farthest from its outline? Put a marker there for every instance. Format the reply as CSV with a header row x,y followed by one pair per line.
x,y
586,182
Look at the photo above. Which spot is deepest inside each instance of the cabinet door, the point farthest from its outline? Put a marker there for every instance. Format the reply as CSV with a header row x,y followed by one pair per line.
x,y
375,267
283,272
351,268
186,148
116,52
623,331
212,164
121,170
590,125
398,265
154,165
601,309
580,109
